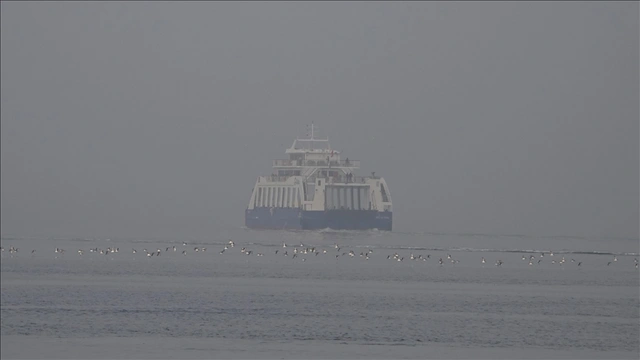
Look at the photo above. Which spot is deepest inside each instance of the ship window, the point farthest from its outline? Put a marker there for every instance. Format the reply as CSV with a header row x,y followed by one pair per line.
x,y
279,196
264,197
267,194
272,197
293,197
258,198
281,200
385,198
288,198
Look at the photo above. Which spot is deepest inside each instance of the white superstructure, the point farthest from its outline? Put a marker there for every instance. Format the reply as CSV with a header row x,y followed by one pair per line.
x,y
315,178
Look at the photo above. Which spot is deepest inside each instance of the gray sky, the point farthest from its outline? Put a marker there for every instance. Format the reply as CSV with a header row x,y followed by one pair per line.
x,y
154,119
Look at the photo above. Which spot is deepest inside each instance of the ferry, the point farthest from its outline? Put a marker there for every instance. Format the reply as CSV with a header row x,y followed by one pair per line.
x,y
315,189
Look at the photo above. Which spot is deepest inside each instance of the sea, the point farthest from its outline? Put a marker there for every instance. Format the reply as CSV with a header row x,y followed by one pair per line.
x,y
248,294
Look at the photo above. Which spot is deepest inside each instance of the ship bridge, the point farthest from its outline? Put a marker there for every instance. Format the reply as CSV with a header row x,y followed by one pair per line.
x,y
313,157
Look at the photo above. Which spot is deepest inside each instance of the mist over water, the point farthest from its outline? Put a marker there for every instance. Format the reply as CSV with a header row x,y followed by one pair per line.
x,y
154,119
507,132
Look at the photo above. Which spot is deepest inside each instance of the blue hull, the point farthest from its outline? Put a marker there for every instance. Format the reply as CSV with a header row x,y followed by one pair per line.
x,y
286,218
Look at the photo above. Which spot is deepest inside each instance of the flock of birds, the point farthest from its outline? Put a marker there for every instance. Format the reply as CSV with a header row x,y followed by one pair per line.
x,y
303,250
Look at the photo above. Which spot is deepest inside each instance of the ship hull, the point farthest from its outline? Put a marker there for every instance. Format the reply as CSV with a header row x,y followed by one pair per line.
x,y
286,218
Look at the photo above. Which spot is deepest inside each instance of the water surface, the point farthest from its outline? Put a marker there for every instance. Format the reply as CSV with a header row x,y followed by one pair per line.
x,y
206,304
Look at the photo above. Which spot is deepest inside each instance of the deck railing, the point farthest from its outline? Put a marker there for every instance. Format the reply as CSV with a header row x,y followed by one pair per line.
x,y
345,180
275,178
330,180
333,163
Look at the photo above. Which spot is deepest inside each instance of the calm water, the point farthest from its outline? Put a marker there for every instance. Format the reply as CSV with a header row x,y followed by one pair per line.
x,y
231,305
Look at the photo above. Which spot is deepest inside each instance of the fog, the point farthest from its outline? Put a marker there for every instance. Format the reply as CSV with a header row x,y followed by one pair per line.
x,y
154,119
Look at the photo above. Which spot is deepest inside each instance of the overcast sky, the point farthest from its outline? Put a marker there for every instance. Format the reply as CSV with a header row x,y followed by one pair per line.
x,y
154,119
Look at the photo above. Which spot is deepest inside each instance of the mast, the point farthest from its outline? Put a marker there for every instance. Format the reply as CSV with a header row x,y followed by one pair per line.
x,y
310,139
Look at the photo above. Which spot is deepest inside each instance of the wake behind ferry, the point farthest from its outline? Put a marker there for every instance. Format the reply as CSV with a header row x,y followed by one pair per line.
x,y
315,189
